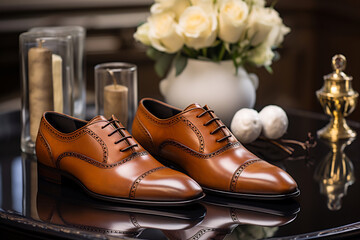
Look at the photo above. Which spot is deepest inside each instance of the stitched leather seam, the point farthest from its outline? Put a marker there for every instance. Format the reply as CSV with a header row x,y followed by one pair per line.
x,y
201,232
138,180
62,138
134,221
239,171
46,144
144,130
233,215
96,163
100,141
101,230
196,154
171,122
77,135
196,131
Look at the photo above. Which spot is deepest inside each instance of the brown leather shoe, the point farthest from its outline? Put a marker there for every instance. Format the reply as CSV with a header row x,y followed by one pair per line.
x,y
198,142
107,162
224,217
70,208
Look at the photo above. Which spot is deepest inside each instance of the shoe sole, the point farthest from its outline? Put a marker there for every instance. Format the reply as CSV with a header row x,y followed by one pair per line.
x,y
55,175
253,196
282,208
232,194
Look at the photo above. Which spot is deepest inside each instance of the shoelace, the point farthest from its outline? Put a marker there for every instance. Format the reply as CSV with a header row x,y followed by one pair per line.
x,y
213,119
118,129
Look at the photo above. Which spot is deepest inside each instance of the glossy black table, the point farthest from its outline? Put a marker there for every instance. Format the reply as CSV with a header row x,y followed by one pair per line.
x,y
327,207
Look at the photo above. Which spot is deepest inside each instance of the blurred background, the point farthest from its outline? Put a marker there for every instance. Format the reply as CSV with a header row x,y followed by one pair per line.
x,y
319,30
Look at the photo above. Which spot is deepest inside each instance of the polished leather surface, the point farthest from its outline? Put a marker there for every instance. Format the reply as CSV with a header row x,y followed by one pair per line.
x,y
90,155
72,209
213,218
191,139
221,220
19,191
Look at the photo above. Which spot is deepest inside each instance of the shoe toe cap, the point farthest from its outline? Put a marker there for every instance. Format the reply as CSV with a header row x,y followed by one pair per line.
x,y
264,178
166,185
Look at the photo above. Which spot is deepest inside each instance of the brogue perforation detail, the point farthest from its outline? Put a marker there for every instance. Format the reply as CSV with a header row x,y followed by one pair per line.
x,y
134,221
102,230
96,163
43,140
196,131
196,154
201,232
234,215
62,138
100,141
172,121
239,171
138,180
143,129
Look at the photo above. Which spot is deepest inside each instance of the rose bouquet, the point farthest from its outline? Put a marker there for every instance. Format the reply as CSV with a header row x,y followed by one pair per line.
x,y
244,31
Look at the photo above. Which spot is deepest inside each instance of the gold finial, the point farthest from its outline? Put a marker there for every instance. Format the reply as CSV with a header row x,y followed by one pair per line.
x,y
338,63
338,99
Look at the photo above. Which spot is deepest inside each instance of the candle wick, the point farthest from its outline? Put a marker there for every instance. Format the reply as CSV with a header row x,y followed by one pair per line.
x,y
113,77
40,42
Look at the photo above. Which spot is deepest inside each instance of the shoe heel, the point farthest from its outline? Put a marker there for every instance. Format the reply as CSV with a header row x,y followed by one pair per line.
x,y
49,174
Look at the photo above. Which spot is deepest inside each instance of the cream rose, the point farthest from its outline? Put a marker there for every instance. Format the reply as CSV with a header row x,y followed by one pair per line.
x,y
142,34
207,5
232,16
162,33
176,6
265,25
261,55
198,27
259,3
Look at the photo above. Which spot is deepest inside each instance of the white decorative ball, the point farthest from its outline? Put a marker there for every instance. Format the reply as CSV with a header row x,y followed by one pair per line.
x,y
274,121
246,125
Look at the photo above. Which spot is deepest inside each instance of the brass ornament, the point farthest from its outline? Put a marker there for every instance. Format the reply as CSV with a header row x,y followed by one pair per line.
x,y
338,100
335,173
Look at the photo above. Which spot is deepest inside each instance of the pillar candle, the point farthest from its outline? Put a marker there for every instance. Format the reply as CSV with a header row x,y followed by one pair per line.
x,y
57,83
40,86
116,102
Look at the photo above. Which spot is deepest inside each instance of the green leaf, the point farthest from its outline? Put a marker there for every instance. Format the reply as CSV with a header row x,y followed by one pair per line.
x,y
180,63
269,69
192,53
222,52
216,43
235,64
273,3
163,64
154,54
204,52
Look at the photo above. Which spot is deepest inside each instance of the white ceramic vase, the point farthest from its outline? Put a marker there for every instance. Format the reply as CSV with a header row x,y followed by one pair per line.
x,y
211,83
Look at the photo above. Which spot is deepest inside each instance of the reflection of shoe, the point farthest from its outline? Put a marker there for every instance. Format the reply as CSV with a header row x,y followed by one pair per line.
x,y
198,142
107,162
69,207
224,216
